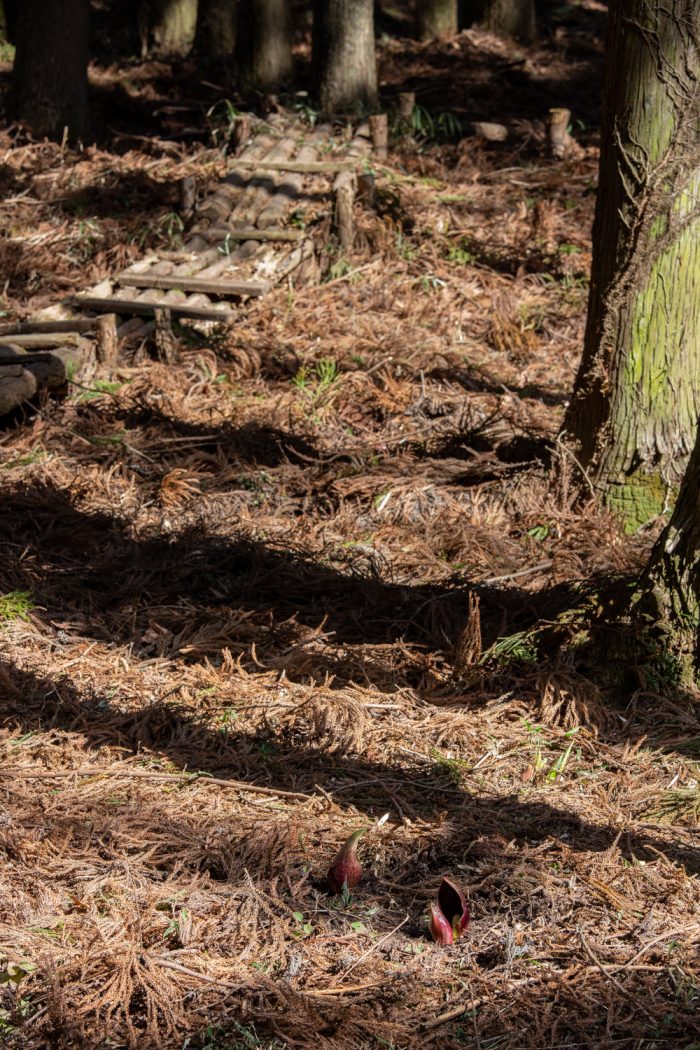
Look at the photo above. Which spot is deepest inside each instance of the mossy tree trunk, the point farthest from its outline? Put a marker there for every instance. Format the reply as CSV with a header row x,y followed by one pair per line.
x,y
48,90
435,18
216,28
344,57
168,27
636,399
514,18
672,579
264,45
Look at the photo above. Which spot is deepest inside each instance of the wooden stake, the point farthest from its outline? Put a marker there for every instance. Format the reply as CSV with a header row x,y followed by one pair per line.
x,y
344,199
559,138
166,344
106,337
379,132
187,189
407,103
240,133
366,189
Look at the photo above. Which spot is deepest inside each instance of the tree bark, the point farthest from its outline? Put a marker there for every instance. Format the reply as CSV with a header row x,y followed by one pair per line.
x,y
514,18
264,48
636,399
167,27
435,18
216,28
672,579
10,10
344,58
48,90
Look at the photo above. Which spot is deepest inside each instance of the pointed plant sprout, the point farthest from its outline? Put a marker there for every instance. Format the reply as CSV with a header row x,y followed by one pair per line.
x,y
346,871
449,915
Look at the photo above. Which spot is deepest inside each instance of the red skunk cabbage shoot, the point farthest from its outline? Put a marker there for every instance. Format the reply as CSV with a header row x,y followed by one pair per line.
x,y
440,929
346,870
449,916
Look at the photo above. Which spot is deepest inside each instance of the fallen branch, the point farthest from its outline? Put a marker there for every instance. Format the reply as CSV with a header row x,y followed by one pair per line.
x,y
145,774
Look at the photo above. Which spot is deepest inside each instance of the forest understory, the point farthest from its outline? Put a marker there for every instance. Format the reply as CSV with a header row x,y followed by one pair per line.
x,y
291,587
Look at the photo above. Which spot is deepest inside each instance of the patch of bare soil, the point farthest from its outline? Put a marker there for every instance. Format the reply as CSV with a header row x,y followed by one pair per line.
x,y
241,621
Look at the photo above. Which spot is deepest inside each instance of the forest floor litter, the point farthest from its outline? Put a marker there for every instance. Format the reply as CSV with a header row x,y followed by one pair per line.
x,y
235,596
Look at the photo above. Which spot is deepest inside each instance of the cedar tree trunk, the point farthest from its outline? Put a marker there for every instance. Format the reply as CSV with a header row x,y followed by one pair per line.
x,y
636,400
10,9
167,27
435,18
344,58
672,578
216,28
48,90
264,46
515,18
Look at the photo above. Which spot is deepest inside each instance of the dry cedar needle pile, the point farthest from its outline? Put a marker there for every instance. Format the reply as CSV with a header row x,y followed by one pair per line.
x,y
240,622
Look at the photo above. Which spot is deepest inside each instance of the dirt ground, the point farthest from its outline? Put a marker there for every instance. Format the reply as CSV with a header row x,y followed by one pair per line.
x,y
288,589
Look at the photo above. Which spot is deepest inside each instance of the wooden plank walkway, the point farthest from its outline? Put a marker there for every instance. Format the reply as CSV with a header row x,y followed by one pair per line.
x,y
242,241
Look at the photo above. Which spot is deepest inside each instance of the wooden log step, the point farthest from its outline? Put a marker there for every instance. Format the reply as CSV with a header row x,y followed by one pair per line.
x,y
213,312
249,233
73,324
33,340
196,284
301,167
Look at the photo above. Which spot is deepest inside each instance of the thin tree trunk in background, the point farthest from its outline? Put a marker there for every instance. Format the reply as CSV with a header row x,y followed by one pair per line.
x,y
264,46
216,27
168,27
636,400
672,579
513,18
48,90
435,18
344,57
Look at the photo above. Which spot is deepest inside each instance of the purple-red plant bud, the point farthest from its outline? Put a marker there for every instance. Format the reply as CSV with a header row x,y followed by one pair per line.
x,y
346,870
440,929
449,917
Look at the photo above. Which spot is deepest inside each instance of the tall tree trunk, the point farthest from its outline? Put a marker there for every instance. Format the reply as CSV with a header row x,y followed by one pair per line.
x,y
636,399
10,9
344,57
48,90
216,27
167,27
514,18
264,46
435,18
672,579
